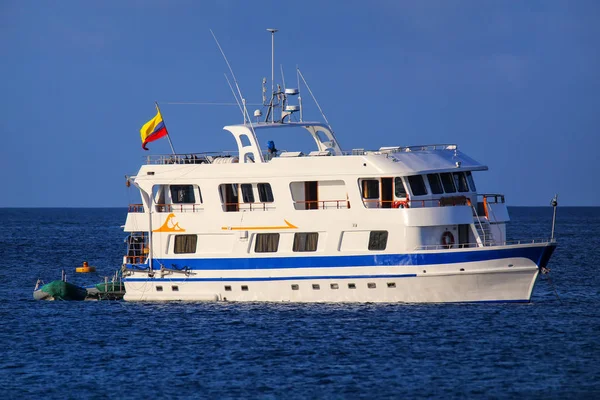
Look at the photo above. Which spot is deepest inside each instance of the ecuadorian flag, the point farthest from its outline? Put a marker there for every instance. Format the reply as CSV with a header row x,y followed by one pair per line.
x,y
153,130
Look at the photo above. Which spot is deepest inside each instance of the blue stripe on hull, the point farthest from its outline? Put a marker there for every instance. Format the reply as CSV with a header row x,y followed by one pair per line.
x,y
535,254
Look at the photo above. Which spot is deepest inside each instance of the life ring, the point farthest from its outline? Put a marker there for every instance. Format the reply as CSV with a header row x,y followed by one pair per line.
x,y
447,239
400,204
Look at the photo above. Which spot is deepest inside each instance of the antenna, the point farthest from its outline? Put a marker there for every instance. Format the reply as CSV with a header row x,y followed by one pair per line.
x,y
314,98
282,76
299,95
272,30
245,112
235,97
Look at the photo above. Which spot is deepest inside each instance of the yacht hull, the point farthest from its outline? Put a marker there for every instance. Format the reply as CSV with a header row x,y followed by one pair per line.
x,y
499,279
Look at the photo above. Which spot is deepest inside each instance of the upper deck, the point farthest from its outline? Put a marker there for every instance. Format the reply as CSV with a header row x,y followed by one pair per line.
x,y
407,159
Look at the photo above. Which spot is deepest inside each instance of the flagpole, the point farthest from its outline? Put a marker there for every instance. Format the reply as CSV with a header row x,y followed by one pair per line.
x,y
168,136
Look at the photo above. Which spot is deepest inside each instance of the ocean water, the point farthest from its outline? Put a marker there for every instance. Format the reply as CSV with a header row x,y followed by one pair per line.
x,y
549,348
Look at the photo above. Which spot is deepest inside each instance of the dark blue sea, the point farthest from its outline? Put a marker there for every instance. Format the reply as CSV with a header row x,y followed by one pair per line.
x,y
549,348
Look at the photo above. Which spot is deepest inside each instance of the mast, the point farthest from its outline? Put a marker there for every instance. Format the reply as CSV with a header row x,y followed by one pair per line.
x,y
272,30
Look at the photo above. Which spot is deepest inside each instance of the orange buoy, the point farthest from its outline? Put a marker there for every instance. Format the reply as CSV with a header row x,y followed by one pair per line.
x,y
85,268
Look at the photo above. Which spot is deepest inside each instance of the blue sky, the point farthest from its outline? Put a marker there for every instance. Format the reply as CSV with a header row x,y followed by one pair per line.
x,y
514,83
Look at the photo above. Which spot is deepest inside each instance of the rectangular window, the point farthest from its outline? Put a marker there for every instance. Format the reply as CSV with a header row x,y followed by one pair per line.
x,y
378,240
460,182
370,189
334,286
305,241
417,185
471,181
435,184
399,189
265,194
182,194
247,193
266,242
316,286
185,244
448,182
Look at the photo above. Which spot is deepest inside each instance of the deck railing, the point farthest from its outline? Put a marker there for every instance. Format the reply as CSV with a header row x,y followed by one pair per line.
x,y
447,201
473,245
184,207
322,204
136,208
257,206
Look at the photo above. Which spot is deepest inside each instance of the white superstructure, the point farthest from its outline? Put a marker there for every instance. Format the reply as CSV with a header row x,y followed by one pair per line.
x,y
398,224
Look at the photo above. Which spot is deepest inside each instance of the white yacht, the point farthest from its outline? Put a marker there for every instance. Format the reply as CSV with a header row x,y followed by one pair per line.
x,y
394,224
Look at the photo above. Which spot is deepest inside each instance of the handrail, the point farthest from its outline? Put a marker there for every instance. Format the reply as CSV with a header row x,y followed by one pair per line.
x,y
478,221
136,208
179,207
263,206
323,202
475,245
444,201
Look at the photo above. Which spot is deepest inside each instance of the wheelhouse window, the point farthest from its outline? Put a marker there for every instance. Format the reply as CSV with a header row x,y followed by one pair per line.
x,y
417,185
182,194
435,184
265,194
471,181
399,189
185,244
448,182
305,241
378,240
460,182
247,193
266,243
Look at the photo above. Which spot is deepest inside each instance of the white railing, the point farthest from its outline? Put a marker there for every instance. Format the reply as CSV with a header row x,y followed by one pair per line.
x,y
477,245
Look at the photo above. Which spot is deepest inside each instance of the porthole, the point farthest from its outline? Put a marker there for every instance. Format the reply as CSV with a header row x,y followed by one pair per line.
x,y
228,288
244,288
159,289
391,284
335,286
371,285
351,286
175,288
295,287
316,286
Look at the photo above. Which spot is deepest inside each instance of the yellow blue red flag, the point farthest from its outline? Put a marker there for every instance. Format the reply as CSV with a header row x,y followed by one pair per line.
x,y
153,130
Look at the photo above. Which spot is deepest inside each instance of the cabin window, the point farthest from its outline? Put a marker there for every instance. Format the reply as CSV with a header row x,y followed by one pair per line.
x,y
316,286
247,193
370,189
435,184
265,194
305,241
185,244
417,185
182,194
471,181
372,285
378,240
448,182
399,189
334,286
461,182
266,242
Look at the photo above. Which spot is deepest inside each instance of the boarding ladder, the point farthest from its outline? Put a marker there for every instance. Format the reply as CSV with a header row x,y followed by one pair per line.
x,y
482,229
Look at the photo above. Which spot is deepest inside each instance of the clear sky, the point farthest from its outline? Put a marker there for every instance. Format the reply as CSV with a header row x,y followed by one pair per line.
x,y
515,83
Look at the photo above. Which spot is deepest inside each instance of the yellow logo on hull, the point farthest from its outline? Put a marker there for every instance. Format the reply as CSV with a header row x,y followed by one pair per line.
x,y
170,225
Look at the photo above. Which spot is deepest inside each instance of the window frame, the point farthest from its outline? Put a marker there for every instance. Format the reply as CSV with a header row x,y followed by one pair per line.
x,y
421,183
438,184
302,241
448,174
178,189
182,248
265,192
375,244
266,245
